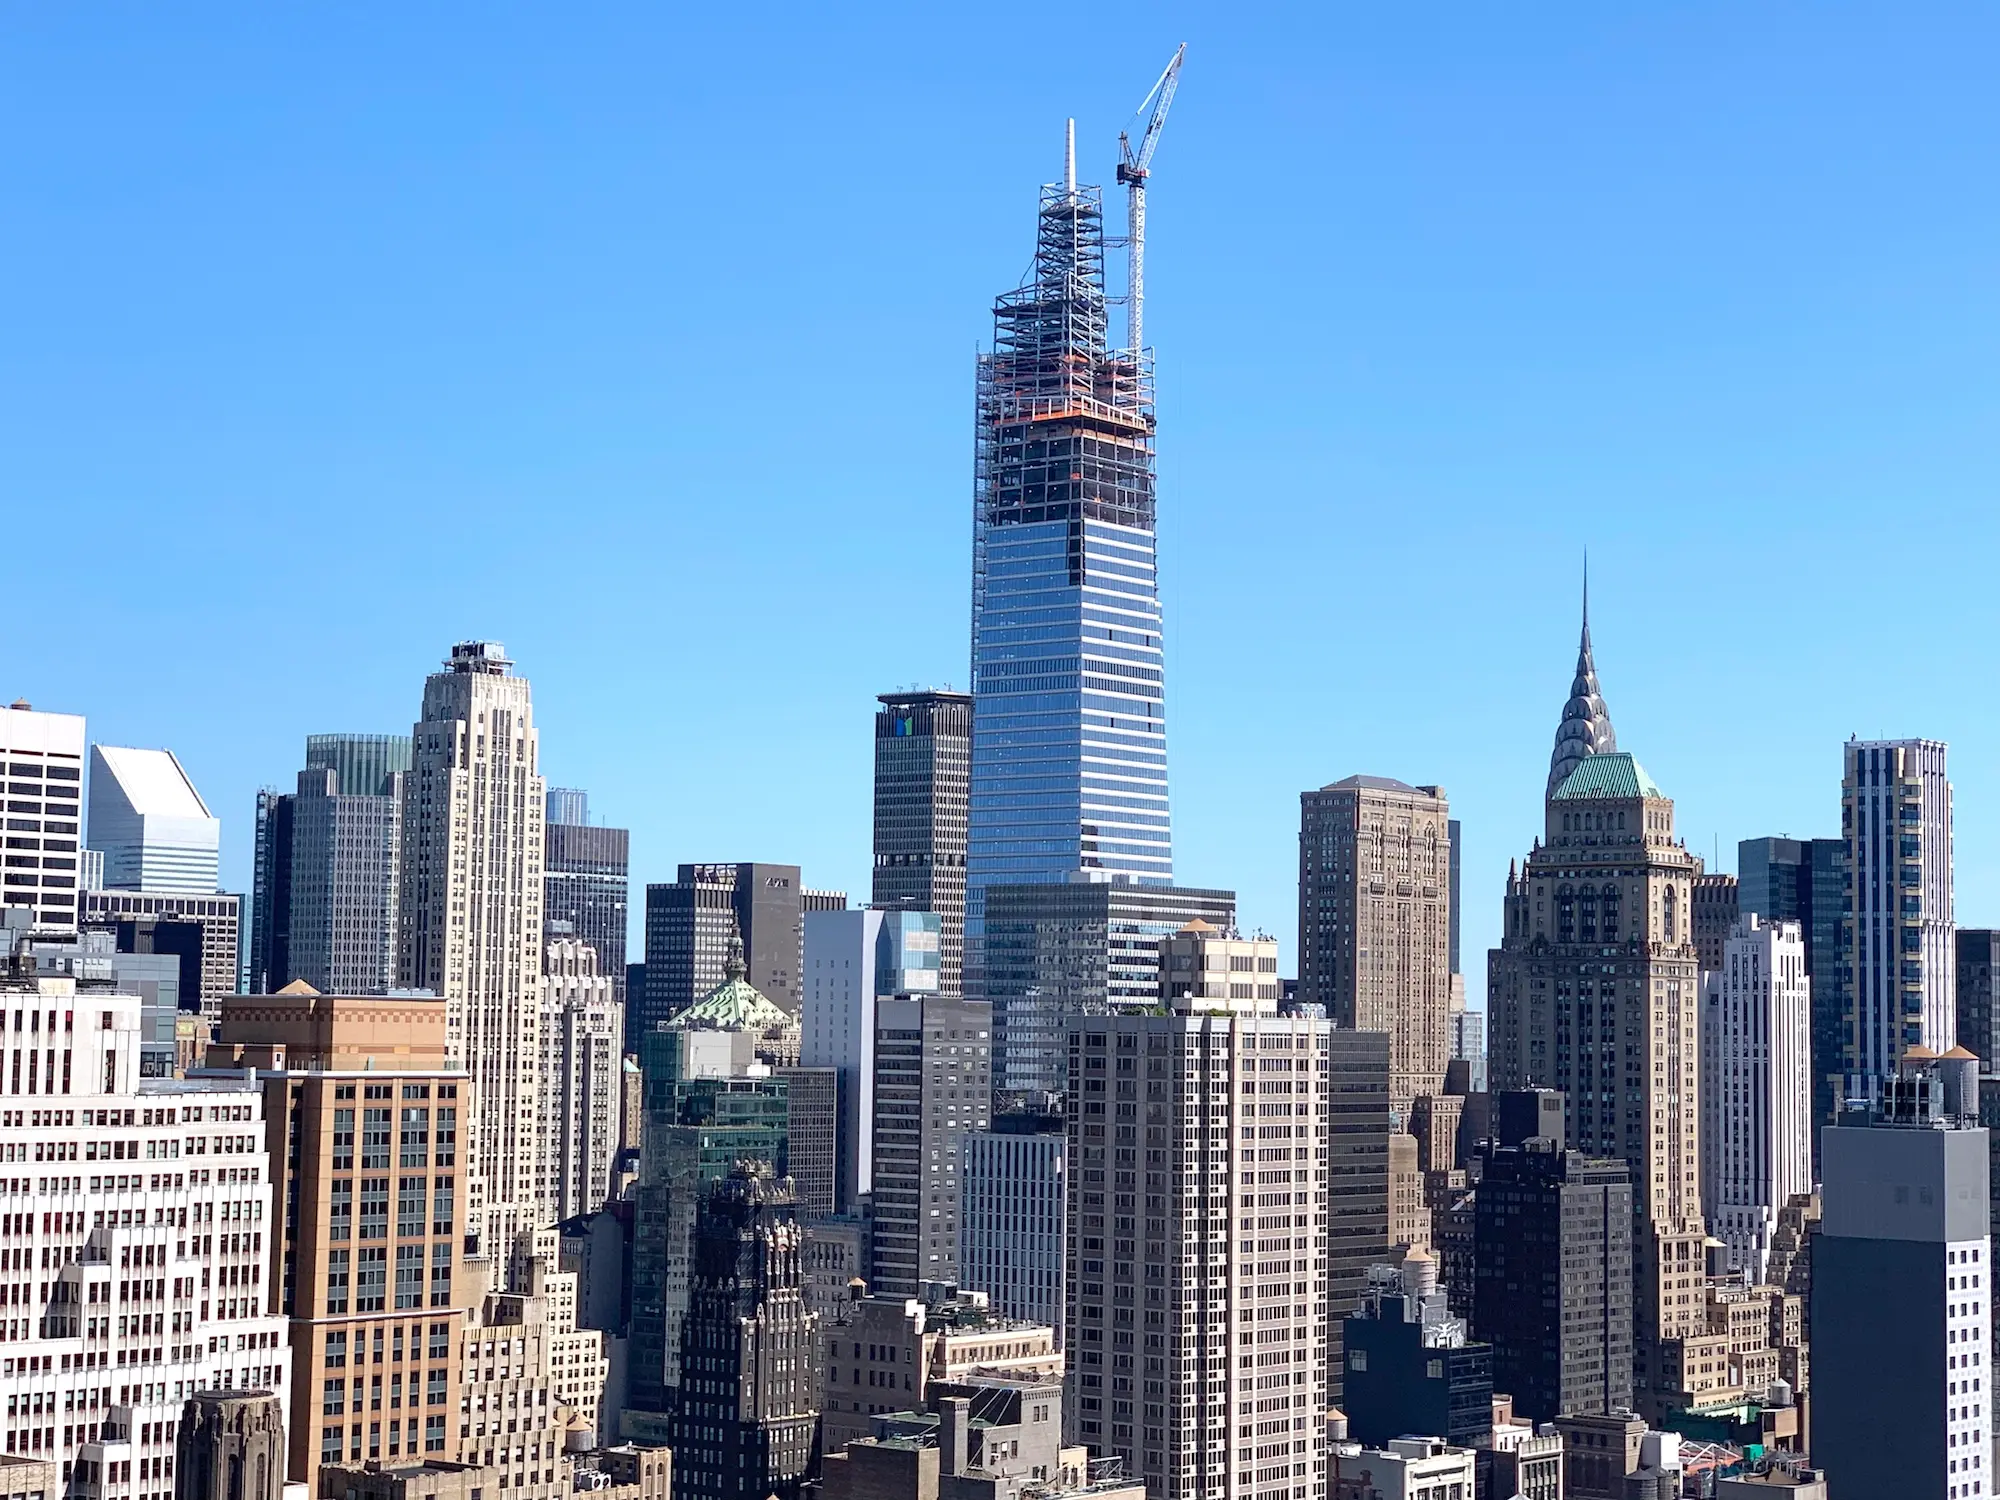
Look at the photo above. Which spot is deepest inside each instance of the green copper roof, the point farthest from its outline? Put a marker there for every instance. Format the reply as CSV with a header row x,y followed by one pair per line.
x,y
734,1005
1609,774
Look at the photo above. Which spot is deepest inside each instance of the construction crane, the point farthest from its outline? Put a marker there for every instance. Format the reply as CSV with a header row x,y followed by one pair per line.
x,y
1133,169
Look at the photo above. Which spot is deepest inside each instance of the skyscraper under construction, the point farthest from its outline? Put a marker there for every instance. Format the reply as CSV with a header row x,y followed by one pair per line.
x,y
1069,754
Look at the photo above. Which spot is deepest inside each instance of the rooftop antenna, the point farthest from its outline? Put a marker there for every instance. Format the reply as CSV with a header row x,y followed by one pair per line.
x,y
1134,167
1069,158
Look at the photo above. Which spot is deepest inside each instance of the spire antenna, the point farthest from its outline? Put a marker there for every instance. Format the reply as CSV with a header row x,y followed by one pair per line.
x,y
1069,157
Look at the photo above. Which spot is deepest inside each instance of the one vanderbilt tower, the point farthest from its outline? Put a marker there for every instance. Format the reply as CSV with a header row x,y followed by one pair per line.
x,y
1069,747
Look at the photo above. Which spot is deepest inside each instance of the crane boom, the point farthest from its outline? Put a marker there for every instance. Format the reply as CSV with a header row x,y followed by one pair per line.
x,y
1134,167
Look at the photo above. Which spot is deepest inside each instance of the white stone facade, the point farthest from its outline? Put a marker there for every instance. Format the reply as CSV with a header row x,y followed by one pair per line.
x,y
471,919
1756,1086
136,1242
583,1037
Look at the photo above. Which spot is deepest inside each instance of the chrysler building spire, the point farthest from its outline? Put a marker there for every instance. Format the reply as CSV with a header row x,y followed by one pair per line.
x,y
1585,729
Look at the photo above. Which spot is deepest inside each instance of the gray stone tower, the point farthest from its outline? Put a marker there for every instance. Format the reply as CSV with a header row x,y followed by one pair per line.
x,y
231,1447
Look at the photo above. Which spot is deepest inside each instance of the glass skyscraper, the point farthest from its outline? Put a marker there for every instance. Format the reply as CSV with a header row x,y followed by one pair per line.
x,y
1069,762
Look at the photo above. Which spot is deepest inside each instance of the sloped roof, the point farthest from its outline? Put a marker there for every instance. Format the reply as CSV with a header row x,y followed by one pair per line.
x,y
734,1005
153,782
1608,776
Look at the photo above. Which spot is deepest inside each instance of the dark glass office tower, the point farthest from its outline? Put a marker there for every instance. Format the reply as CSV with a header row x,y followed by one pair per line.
x,y
584,880
271,895
1069,760
923,763
1978,962
1553,1287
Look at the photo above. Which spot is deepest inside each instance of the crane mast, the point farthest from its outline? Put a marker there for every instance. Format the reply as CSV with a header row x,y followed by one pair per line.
x,y
1134,167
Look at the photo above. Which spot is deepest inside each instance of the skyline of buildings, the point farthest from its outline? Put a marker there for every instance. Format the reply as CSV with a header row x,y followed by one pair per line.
x,y
1238,1166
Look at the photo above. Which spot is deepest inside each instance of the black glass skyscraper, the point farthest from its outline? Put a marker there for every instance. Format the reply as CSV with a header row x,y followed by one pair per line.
x,y
923,762
584,880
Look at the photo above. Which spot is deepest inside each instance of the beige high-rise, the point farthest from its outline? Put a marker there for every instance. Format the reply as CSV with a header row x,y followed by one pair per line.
x,y
1375,921
1596,991
471,920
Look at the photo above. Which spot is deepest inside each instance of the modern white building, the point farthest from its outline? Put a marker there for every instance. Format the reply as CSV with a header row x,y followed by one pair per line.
x,y
1756,1086
42,756
470,915
1010,1228
1230,1400
852,959
1410,1468
150,824
1895,813
136,1219
583,1034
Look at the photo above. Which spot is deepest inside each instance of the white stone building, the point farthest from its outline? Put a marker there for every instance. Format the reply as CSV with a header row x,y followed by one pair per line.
x,y
471,919
136,1235
1756,1086
583,1032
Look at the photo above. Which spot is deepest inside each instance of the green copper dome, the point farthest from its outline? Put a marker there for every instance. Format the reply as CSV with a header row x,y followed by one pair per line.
x,y
1609,775
734,1005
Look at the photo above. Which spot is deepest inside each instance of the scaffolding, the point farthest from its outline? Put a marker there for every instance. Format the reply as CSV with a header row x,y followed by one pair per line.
x,y
1064,424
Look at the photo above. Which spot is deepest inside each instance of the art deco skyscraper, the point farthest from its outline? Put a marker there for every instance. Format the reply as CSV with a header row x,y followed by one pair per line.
x,y
1895,813
744,1427
471,919
1069,758
1595,991
923,763
1375,922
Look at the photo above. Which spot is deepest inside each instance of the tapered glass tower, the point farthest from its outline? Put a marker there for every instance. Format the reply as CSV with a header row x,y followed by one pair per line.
x,y
1069,758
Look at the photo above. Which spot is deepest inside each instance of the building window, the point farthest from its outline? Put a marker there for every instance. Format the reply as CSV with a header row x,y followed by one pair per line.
x,y
336,1281
371,1281
440,1278
410,1208
409,1277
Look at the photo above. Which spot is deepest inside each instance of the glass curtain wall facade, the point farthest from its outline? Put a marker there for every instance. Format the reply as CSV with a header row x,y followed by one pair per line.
x,y
1069,764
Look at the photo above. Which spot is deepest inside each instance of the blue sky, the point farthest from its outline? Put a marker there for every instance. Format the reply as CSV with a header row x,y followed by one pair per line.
x,y
642,340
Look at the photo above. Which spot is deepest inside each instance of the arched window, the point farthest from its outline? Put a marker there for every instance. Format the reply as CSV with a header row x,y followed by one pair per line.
x,y
1667,916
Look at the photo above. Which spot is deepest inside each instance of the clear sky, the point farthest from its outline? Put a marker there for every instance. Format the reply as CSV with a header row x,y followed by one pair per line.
x,y
640,337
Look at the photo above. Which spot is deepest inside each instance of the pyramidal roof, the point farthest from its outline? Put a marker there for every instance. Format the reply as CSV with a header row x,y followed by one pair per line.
x,y
734,1005
1613,774
1585,729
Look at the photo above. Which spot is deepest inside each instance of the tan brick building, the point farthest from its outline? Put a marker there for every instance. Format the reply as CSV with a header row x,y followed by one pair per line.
x,y
367,1127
